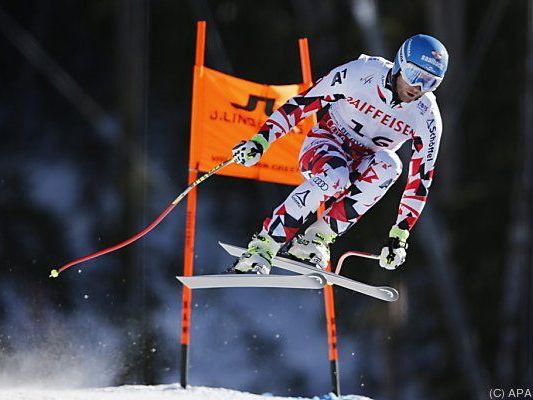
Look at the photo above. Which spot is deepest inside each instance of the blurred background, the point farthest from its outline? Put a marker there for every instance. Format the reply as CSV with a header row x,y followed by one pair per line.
x,y
94,117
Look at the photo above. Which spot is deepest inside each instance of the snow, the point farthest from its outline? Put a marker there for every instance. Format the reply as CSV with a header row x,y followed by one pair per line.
x,y
137,392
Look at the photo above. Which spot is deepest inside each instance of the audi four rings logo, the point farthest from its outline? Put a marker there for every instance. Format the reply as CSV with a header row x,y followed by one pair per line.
x,y
320,183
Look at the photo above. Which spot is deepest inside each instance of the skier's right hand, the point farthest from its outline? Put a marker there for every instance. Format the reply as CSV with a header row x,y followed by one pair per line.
x,y
249,152
394,252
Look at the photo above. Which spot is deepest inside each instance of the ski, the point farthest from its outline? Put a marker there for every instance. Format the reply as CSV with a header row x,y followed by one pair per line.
x,y
379,292
308,281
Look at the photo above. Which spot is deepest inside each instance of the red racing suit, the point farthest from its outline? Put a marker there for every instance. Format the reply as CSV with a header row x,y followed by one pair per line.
x,y
349,156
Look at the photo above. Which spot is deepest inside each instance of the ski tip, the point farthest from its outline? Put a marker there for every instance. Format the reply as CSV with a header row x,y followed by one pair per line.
x,y
391,294
321,279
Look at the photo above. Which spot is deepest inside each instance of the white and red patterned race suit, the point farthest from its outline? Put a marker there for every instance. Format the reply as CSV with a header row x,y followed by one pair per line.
x,y
349,156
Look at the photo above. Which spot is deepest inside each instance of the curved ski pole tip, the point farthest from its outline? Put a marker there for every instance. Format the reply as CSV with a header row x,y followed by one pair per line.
x,y
54,273
355,253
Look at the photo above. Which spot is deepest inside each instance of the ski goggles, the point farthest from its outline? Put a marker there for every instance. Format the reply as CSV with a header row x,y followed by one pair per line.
x,y
416,76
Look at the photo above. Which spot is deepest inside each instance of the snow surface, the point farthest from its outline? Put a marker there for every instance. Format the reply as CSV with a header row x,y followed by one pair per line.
x,y
160,392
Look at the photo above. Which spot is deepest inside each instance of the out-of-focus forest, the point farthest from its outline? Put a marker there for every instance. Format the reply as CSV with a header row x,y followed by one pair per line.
x,y
94,119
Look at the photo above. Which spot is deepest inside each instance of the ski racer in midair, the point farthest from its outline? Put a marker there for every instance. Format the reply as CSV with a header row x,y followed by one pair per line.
x,y
366,109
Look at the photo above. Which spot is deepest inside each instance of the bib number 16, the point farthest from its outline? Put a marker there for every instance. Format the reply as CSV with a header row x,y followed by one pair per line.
x,y
380,141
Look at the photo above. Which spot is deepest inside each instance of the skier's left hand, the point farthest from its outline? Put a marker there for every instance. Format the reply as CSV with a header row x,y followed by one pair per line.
x,y
394,252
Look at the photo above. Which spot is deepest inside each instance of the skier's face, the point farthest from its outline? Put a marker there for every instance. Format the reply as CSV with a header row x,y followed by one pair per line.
x,y
406,92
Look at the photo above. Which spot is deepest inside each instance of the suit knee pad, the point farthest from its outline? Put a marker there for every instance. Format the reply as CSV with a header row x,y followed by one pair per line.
x,y
391,160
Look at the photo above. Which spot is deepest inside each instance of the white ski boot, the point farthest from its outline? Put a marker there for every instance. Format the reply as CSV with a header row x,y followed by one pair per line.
x,y
258,258
313,245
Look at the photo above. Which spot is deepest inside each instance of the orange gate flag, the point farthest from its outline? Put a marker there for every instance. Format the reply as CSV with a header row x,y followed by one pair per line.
x,y
227,110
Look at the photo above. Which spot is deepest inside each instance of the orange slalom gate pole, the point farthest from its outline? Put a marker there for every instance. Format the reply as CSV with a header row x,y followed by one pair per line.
x,y
329,300
305,62
331,327
186,308
190,221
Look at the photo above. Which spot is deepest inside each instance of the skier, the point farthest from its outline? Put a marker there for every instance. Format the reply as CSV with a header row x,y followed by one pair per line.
x,y
366,109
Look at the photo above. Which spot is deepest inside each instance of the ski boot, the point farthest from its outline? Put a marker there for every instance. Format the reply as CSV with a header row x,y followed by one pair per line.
x,y
258,258
313,245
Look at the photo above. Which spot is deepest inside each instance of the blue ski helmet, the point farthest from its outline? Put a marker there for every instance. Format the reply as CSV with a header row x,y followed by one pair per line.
x,y
422,60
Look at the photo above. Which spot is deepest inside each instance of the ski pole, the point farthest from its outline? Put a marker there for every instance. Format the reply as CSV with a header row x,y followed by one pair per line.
x,y
355,253
55,272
